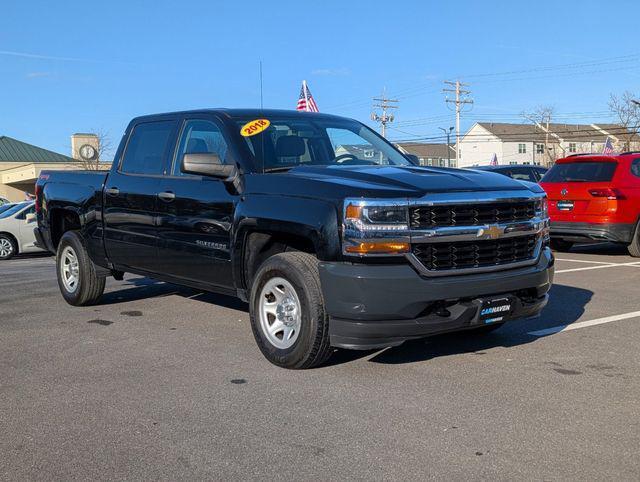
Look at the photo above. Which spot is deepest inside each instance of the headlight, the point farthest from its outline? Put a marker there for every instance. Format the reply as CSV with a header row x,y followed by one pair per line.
x,y
375,227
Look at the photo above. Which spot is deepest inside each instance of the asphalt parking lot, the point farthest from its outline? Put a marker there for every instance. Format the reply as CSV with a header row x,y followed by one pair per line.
x,y
162,382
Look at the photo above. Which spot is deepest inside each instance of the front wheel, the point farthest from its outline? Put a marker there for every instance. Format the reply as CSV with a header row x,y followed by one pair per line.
x,y
77,278
634,246
561,245
8,248
287,311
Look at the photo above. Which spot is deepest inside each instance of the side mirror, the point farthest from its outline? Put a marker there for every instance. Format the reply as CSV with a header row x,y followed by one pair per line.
x,y
30,218
207,164
412,157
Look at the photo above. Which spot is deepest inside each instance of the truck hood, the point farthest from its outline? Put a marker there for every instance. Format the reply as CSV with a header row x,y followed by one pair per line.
x,y
410,181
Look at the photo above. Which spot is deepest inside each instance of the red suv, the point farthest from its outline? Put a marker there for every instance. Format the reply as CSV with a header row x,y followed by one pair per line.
x,y
594,198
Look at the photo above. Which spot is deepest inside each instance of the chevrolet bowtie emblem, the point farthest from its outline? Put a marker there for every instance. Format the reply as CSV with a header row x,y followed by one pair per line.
x,y
493,232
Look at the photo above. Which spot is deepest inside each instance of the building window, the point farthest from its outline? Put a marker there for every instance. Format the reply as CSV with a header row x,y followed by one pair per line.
x,y
522,148
573,147
539,148
513,163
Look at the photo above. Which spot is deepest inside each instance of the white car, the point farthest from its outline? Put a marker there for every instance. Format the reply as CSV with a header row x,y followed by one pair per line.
x,y
16,230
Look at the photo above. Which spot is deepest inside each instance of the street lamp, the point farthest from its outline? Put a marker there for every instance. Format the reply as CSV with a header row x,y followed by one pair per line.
x,y
448,134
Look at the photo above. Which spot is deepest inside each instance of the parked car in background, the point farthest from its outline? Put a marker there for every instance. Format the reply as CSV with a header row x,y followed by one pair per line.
x,y
16,230
521,172
5,207
594,198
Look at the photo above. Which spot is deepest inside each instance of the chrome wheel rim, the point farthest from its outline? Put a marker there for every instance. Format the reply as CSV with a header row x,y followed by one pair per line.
x,y
280,313
6,248
69,269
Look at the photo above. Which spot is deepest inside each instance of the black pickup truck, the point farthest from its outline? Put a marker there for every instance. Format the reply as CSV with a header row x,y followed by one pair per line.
x,y
333,236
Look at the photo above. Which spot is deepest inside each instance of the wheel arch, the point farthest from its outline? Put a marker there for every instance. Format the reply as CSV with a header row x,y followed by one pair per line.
x,y
265,225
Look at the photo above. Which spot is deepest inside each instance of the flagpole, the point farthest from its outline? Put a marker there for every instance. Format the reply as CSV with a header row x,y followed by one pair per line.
x,y
306,95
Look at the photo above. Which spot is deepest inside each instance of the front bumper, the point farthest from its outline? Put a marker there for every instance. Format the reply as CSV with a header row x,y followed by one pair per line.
x,y
592,232
374,306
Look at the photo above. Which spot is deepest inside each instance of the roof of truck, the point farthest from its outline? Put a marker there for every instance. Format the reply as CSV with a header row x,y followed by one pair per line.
x,y
257,113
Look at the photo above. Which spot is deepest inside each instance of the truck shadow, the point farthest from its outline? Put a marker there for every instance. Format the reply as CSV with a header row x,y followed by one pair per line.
x,y
140,288
566,305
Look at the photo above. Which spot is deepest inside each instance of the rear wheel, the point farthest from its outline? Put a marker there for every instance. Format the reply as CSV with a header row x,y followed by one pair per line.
x,y
287,311
634,246
77,278
8,247
561,245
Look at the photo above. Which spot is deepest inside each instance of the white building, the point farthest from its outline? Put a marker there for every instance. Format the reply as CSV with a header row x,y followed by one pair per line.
x,y
533,144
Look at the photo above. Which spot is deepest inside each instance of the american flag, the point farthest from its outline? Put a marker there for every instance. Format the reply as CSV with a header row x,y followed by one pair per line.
x,y
305,101
607,149
494,160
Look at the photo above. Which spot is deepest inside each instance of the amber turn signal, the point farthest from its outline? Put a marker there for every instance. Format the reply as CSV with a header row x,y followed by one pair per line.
x,y
378,248
353,211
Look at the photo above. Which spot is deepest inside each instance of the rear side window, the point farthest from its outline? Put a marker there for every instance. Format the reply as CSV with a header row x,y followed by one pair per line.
x,y
148,148
635,167
581,172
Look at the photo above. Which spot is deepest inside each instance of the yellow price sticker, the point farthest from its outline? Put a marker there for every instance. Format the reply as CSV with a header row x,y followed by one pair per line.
x,y
254,127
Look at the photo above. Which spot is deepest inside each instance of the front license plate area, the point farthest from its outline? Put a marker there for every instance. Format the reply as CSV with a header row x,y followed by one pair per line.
x,y
565,205
495,310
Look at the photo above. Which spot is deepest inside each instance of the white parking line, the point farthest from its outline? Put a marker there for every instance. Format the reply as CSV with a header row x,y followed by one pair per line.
x,y
635,264
584,324
585,261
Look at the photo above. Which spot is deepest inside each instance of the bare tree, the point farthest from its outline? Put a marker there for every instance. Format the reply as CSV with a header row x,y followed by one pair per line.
x,y
542,116
103,148
626,110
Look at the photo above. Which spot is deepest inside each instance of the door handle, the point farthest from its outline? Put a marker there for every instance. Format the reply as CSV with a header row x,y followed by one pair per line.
x,y
167,196
112,191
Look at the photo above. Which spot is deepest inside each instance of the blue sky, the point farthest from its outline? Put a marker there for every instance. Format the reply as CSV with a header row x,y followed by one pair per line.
x,y
76,66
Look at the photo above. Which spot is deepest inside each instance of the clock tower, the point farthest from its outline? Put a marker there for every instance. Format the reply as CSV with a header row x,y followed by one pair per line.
x,y
85,147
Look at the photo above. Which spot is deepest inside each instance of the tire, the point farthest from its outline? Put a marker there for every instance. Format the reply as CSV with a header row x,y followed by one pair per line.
x,y
290,283
77,278
8,246
561,245
634,246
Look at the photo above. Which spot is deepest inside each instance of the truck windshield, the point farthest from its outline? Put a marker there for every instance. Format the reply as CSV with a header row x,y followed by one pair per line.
x,y
287,143
588,171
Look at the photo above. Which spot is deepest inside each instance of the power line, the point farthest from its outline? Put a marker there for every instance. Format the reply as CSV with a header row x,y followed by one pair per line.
x,y
515,136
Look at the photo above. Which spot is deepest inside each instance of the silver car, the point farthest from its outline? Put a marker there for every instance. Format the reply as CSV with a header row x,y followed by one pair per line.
x,y
16,230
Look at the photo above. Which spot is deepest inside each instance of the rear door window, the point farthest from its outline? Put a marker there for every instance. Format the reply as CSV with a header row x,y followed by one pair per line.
x,y
591,171
148,148
635,167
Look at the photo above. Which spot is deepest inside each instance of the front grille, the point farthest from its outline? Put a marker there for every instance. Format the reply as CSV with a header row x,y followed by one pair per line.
x,y
428,217
475,254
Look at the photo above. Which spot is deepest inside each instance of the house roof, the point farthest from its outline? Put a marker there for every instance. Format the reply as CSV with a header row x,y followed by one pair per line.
x,y
12,150
567,132
428,151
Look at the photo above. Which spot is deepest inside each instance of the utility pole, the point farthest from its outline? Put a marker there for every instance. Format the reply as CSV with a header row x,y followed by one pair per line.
x,y
383,103
461,99
448,134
